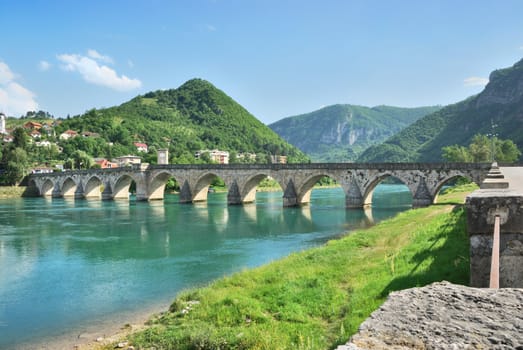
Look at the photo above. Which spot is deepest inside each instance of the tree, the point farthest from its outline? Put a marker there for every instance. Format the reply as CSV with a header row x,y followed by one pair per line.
x,y
483,150
507,151
480,149
82,160
457,153
20,138
17,166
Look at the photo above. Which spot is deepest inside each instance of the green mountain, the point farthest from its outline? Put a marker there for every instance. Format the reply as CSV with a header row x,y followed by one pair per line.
x,y
340,133
192,117
499,104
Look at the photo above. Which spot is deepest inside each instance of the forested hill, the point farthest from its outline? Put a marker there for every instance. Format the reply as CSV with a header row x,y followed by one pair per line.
x,y
192,117
500,103
341,132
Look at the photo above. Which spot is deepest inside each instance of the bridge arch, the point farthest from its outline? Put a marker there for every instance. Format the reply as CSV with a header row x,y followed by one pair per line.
x,y
376,180
248,190
46,189
68,188
445,181
201,187
92,187
121,186
304,190
158,183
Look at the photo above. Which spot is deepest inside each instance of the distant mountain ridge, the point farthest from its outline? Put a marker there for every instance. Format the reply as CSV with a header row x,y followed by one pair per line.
x,y
340,132
500,103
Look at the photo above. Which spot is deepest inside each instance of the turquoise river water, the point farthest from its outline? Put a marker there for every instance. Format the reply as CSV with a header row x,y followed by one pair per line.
x,y
69,265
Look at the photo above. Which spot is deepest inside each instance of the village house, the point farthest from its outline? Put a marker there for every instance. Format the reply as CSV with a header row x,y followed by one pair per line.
x,y
47,128
44,143
90,134
217,156
127,160
246,156
41,170
105,164
141,147
35,134
32,126
278,159
68,134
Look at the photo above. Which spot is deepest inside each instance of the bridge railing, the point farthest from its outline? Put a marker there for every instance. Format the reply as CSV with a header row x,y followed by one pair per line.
x,y
494,264
290,166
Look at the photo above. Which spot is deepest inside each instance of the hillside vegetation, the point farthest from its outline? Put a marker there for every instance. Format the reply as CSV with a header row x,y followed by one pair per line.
x,y
195,116
499,104
339,133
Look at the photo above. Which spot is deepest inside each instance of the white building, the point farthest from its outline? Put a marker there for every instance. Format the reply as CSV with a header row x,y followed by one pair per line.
x,y
2,124
217,156
127,160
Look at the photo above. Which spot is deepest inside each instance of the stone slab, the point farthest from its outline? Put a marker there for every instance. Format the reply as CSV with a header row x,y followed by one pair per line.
x,y
444,316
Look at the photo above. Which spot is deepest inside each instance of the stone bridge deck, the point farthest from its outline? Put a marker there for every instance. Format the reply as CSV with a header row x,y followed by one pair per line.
x,y
358,180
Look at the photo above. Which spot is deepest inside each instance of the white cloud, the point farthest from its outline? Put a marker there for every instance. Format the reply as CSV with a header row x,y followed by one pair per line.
x,y
211,28
475,81
130,63
92,71
5,74
44,66
14,98
99,57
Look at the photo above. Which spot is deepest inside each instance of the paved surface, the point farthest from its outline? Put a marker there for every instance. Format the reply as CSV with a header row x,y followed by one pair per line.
x,y
514,175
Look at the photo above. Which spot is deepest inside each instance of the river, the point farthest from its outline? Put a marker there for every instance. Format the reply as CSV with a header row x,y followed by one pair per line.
x,y
68,266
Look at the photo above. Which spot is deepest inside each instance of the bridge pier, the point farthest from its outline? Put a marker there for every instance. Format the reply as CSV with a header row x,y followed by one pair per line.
x,y
422,197
355,203
233,196
56,193
185,193
290,198
353,196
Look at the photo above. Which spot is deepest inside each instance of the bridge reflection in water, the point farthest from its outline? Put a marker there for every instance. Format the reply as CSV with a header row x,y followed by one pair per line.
x,y
358,181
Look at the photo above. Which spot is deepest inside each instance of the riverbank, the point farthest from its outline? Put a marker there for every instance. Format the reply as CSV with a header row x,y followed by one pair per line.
x,y
7,192
317,298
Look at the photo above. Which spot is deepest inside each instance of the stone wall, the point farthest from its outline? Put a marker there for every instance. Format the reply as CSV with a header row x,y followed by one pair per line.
x,y
482,207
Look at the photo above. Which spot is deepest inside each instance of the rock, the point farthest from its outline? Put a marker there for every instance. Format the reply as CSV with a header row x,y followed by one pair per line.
x,y
444,316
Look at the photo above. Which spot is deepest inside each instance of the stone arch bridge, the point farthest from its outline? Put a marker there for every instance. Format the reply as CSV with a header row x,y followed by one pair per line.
x,y
358,180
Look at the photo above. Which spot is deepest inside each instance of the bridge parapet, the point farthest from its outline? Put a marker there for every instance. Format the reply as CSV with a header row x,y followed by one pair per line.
x,y
501,197
482,208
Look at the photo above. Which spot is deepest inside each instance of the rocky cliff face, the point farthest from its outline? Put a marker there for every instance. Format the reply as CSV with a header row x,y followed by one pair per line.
x,y
341,132
444,316
500,103
505,87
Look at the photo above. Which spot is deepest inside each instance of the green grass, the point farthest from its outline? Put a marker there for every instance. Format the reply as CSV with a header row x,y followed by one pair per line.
x,y
316,299
11,192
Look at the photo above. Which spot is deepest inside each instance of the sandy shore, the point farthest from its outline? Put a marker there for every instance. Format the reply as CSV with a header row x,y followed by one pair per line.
x,y
97,333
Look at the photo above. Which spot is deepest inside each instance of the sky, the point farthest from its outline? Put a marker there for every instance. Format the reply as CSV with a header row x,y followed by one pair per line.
x,y
277,58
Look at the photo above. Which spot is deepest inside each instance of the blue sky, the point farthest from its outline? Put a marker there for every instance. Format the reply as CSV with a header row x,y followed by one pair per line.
x,y
277,58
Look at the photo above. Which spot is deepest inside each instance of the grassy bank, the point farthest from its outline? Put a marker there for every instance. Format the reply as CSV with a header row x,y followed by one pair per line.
x,y
317,298
11,191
